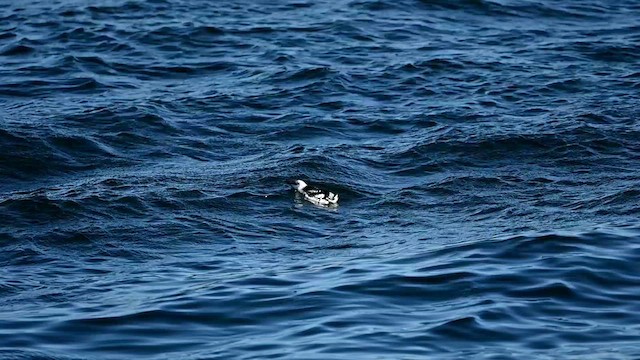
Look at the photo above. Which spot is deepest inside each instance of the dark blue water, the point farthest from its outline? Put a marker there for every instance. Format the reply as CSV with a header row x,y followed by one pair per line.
x,y
487,156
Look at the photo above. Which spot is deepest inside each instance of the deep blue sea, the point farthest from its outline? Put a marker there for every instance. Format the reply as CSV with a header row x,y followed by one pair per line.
x,y
486,154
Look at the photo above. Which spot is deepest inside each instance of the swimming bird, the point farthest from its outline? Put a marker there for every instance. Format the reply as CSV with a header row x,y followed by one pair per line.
x,y
313,194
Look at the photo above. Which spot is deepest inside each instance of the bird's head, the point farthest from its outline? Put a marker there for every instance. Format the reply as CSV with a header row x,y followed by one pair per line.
x,y
298,184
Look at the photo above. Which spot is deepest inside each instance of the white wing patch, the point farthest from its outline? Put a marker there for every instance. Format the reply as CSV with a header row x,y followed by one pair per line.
x,y
320,197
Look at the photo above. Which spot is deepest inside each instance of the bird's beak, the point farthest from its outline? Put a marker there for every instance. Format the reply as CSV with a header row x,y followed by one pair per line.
x,y
291,182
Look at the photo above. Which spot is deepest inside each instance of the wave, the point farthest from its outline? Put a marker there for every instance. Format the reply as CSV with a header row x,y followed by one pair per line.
x,y
33,88
15,50
528,292
527,8
582,144
114,136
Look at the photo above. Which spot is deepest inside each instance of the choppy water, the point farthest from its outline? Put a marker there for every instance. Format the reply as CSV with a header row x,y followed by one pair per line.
x,y
487,155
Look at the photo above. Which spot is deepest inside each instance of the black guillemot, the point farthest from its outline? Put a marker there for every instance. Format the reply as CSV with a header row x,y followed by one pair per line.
x,y
313,194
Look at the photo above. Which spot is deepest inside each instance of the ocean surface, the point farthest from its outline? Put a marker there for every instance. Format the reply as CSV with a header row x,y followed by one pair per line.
x,y
486,153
